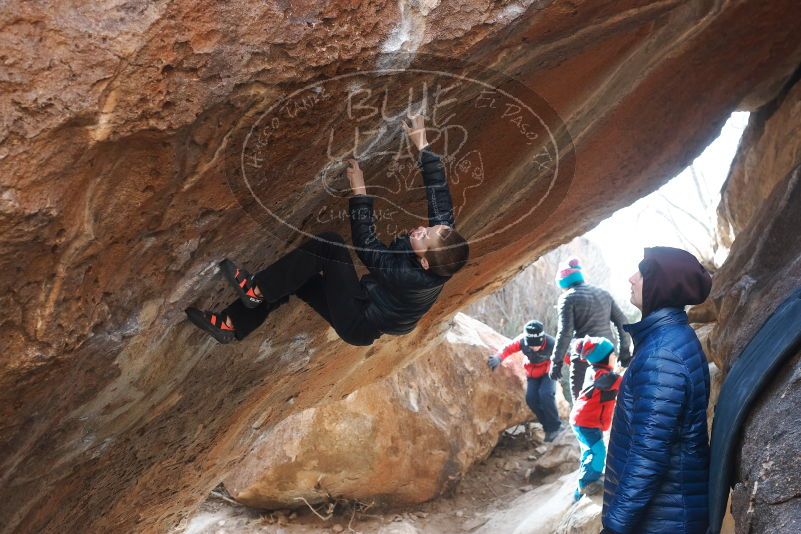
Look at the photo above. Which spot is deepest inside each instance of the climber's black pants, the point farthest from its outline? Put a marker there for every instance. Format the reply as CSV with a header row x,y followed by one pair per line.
x,y
321,273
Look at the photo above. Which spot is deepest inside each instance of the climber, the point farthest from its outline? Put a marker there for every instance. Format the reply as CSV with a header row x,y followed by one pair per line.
x,y
592,412
657,467
540,390
584,310
404,279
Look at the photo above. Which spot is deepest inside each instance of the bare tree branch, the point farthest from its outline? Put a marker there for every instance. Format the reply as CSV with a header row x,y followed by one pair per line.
x,y
704,196
686,212
688,242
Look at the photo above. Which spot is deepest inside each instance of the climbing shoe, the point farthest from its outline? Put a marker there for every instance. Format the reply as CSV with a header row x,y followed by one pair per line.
x,y
242,282
552,435
213,323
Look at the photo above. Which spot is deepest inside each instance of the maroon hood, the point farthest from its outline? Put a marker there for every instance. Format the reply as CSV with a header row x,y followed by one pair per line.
x,y
672,278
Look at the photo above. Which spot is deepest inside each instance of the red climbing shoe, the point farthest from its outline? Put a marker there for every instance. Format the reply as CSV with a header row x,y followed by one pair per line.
x,y
242,282
211,322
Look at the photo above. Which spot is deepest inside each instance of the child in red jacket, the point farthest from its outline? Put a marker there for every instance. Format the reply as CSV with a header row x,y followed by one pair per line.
x,y
592,412
540,390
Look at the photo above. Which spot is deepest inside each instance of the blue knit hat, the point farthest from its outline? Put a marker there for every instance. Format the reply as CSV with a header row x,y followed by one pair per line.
x,y
594,349
570,273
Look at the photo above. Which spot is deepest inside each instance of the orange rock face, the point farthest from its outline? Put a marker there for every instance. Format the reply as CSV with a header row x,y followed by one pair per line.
x,y
122,145
405,438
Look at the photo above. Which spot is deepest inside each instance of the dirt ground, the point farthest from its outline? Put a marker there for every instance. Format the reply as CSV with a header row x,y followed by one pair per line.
x,y
519,465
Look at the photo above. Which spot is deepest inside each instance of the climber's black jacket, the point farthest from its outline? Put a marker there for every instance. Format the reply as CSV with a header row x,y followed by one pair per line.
x,y
400,291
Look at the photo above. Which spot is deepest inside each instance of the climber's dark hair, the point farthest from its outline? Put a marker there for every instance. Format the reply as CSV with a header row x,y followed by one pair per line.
x,y
449,255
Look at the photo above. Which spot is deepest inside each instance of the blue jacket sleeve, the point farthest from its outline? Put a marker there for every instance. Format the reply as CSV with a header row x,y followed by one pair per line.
x,y
660,385
440,204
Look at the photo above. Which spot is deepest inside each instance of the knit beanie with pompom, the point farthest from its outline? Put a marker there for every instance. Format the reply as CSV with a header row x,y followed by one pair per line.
x,y
570,274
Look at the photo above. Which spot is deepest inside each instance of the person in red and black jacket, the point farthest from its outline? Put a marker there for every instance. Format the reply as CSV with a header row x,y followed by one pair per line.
x,y
540,390
592,412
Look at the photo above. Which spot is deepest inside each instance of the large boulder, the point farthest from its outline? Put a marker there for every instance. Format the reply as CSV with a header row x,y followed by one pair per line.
x,y
123,134
403,439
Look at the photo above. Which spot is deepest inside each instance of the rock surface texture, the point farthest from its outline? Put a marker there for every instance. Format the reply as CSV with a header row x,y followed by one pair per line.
x,y
769,149
126,129
763,268
404,439
767,496
549,509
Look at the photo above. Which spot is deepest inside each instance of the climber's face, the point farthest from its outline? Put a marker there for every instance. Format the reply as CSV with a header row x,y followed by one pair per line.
x,y
636,289
424,238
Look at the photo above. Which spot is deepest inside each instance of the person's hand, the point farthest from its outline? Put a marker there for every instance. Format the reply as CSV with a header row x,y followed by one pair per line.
x,y
556,372
624,358
356,178
417,130
493,361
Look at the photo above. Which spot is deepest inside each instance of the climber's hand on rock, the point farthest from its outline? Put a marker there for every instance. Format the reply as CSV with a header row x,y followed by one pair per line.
x,y
356,178
416,131
493,361
556,372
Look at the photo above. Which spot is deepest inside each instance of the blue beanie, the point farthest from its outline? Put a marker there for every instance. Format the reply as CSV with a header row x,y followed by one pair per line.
x,y
570,274
594,349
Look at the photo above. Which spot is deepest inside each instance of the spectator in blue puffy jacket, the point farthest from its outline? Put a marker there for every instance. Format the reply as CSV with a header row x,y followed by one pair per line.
x,y
657,464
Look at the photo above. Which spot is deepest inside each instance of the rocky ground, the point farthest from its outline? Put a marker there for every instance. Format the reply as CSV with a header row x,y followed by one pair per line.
x,y
522,475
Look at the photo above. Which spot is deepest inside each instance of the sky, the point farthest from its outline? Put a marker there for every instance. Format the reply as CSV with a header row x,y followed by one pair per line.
x,y
646,223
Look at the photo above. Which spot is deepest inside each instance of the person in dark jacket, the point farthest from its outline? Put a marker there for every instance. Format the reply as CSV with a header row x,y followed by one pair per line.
x,y
584,310
537,346
657,466
592,412
404,280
